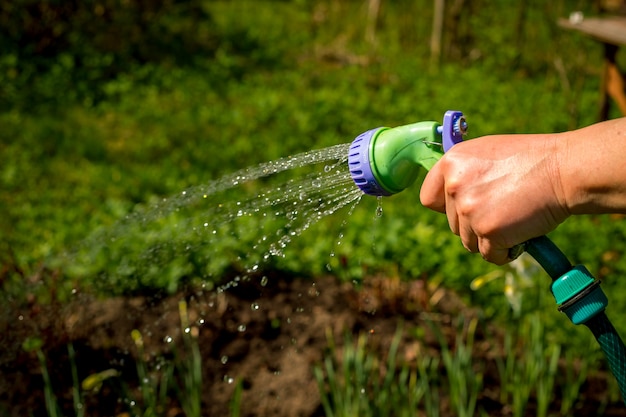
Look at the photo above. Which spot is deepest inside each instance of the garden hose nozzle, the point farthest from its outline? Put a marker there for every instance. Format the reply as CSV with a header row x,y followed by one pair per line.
x,y
385,161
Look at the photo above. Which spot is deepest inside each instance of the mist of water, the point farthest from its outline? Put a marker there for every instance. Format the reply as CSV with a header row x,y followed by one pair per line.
x,y
240,221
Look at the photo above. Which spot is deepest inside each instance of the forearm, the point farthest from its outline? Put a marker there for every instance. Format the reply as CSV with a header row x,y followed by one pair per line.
x,y
591,164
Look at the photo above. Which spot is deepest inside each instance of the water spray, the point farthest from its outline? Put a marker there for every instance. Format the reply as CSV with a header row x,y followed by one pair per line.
x,y
385,161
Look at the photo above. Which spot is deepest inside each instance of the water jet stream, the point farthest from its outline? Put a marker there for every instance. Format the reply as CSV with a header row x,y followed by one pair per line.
x,y
204,230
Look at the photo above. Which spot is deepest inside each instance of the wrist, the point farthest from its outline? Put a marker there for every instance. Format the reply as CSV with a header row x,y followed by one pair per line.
x,y
591,169
568,196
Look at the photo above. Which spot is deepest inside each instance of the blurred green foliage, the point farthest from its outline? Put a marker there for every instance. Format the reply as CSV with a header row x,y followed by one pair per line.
x,y
60,52
109,106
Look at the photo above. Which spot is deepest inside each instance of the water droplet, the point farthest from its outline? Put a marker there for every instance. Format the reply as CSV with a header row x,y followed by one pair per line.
x,y
313,292
224,359
187,330
184,192
168,339
316,183
328,168
206,224
379,207
264,281
241,328
254,306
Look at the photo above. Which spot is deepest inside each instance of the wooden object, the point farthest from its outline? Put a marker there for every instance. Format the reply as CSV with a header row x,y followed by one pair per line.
x,y
611,33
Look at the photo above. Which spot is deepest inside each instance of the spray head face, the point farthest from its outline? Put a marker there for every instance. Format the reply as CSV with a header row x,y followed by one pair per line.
x,y
385,161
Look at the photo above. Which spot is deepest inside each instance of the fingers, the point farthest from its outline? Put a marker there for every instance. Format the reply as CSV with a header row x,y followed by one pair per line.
x,y
439,195
493,254
469,240
432,193
464,231
473,241
486,245
488,248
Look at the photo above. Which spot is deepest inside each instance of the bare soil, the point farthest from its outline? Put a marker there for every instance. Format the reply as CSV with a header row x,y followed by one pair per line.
x,y
265,337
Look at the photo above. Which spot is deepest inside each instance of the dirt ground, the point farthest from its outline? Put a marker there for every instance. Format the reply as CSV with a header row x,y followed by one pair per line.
x,y
265,337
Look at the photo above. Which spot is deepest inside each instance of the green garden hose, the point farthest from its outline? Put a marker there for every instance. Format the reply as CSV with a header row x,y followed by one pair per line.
x,y
583,301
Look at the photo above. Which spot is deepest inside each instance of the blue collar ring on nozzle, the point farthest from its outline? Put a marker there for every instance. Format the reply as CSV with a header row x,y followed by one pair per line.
x,y
385,161
361,166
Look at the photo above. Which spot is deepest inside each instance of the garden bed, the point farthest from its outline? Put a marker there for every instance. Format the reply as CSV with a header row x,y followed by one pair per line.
x,y
259,340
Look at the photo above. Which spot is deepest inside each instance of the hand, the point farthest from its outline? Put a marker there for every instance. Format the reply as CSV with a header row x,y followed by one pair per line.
x,y
498,191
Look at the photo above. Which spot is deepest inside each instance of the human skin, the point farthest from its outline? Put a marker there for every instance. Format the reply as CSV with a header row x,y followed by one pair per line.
x,y
500,191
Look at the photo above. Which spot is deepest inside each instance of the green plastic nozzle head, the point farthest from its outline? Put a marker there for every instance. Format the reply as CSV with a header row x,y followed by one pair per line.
x,y
385,161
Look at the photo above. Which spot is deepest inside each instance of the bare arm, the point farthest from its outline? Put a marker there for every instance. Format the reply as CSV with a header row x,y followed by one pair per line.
x,y
499,191
593,168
